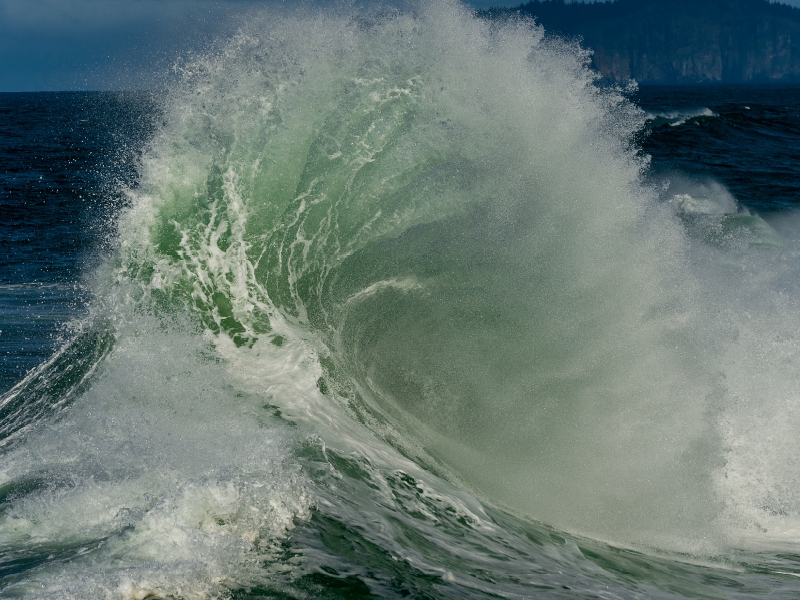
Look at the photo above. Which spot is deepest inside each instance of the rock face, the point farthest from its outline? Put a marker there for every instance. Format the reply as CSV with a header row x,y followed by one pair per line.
x,y
679,41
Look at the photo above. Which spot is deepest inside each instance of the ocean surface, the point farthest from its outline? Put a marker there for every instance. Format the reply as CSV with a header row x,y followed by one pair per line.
x,y
399,305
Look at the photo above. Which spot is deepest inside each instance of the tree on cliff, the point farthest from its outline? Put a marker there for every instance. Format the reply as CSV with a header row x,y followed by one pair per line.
x,y
678,41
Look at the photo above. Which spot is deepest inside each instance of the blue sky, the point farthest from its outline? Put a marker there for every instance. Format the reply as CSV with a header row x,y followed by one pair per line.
x,y
112,44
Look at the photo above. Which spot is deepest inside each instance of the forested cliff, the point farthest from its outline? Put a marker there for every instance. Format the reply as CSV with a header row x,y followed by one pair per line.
x,y
679,41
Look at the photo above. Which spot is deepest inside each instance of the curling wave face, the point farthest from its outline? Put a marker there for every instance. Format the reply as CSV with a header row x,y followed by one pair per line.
x,y
467,254
421,240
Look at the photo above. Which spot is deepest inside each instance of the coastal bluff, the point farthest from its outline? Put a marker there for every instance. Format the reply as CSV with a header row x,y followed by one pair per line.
x,y
678,41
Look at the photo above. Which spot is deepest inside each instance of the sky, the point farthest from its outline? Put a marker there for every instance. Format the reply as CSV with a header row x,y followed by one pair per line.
x,y
115,44
112,44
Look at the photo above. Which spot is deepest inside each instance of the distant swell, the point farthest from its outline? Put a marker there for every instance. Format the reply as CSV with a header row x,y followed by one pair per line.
x,y
678,118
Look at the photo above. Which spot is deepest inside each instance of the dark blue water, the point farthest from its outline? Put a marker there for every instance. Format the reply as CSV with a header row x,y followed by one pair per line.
x,y
749,142
63,160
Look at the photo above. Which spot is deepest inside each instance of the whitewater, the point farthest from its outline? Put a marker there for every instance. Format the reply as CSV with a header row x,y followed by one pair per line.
x,y
395,309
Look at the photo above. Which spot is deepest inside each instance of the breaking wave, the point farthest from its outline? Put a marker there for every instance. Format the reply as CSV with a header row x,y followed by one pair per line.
x,y
390,273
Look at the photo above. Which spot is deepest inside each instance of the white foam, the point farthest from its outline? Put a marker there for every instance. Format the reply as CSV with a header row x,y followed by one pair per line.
x,y
162,479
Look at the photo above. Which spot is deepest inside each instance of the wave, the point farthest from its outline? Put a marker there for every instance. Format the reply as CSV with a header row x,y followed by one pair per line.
x,y
397,278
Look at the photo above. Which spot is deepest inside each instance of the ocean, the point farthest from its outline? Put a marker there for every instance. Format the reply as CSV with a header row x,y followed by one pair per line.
x,y
373,303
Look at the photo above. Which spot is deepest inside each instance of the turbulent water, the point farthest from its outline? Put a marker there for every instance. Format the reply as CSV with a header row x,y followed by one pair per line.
x,y
396,305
